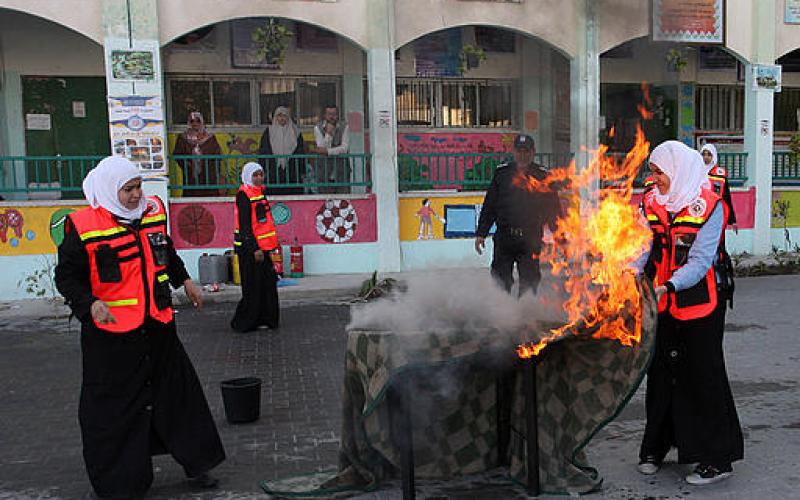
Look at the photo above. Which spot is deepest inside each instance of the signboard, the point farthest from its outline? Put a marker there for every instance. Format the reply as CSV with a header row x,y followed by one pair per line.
x,y
791,13
689,21
137,131
134,62
37,121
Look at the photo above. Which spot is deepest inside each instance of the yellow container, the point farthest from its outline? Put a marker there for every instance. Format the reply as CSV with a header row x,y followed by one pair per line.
x,y
237,278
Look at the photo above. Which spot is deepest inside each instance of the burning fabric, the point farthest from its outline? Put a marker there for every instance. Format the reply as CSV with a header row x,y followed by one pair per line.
x,y
446,356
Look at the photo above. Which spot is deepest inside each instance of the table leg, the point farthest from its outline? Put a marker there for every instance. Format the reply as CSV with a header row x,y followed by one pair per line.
x,y
532,427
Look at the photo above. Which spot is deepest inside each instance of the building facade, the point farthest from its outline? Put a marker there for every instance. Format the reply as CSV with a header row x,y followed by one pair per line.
x,y
432,91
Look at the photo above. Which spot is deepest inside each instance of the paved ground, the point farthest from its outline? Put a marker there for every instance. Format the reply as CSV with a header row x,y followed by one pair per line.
x,y
302,367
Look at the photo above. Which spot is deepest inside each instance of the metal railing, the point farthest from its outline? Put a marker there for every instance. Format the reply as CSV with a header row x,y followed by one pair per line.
x,y
785,168
219,175
46,177
465,171
734,163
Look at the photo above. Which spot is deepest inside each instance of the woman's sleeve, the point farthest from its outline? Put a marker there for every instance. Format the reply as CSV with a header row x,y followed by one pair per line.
x,y
72,273
701,254
249,244
726,197
176,270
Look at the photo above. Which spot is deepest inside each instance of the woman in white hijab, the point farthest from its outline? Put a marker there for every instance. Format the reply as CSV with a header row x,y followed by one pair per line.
x,y
718,177
689,401
282,138
115,267
255,238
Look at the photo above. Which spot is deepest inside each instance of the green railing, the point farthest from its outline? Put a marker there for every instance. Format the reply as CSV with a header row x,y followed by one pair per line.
x,y
215,175
785,168
465,171
734,163
51,176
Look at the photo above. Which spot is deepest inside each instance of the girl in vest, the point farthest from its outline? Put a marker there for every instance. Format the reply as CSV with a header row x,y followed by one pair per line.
x,y
140,395
689,401
254,238
718,177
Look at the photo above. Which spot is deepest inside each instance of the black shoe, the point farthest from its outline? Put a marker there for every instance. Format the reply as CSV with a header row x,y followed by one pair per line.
x,y
708,474
205,481
649,466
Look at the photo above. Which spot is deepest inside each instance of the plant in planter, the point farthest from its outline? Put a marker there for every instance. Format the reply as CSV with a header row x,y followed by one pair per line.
x,y
470,57
676,60
272,41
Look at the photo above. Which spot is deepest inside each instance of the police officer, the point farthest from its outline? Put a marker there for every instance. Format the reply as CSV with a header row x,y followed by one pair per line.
x,y
520,215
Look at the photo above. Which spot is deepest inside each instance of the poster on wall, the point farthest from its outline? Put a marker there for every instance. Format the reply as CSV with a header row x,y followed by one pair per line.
x,y
132,62
137,131
689,21
438,54
791,13
767,77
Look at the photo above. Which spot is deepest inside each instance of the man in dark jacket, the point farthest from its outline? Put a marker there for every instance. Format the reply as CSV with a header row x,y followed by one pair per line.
x,y
520,215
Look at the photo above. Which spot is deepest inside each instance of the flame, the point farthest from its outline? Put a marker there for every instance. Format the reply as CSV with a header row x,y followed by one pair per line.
x,y
594,245
644,109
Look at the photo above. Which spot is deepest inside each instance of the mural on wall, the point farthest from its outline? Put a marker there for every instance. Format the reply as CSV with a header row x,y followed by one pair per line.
x,y
448,142
333,221
32,230
785,209
437,218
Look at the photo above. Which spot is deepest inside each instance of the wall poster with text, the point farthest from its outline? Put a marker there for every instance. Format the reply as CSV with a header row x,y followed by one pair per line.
x,y
689,21
137,131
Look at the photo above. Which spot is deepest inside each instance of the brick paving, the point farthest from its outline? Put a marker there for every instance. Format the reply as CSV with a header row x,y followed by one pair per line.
x,y
302,369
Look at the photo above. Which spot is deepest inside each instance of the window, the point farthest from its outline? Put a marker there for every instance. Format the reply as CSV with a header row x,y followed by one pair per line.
x,y
719,107
250,101
787,109
232,103
456,103
188,96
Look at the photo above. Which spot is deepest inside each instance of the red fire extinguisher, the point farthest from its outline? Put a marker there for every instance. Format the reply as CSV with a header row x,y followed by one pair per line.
x,y
296,260
277,259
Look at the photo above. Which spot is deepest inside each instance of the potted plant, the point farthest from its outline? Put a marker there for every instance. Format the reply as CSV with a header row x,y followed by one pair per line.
x,y
470,57
272,41
676,61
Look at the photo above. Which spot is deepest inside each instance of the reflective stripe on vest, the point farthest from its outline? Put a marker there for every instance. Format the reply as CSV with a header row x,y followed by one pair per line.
x,y
678,236
264,232
119,257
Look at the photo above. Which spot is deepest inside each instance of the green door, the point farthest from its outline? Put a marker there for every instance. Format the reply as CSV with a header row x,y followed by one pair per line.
x,y
78,113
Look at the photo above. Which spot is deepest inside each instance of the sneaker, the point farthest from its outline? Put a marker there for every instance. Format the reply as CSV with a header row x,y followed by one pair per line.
x,y
707,474
649,466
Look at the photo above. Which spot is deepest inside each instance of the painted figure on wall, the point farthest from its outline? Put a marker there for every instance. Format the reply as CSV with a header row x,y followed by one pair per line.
x,y
425,222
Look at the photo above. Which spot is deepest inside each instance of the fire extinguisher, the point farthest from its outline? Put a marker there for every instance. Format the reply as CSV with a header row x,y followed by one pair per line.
x,y
296,260
277,259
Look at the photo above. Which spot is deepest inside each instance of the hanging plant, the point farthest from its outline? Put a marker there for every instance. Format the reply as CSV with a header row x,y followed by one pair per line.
x,y
470,57
272,41
676,61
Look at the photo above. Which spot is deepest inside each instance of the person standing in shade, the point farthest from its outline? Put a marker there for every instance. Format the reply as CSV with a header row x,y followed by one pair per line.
x,y
197,174
283,138
688,401
718,177
332,138
140,395
520,215
254,238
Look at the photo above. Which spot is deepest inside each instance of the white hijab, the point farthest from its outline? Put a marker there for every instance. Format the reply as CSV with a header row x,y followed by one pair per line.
x,y
102,184
283,138
248,171
713,150
686,171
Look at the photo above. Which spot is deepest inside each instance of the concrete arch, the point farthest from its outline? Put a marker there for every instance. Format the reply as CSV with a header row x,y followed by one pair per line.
x,y
349,22
554,23
87,20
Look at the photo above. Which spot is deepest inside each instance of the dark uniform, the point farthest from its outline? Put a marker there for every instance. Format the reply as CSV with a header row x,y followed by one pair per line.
x,y
520,216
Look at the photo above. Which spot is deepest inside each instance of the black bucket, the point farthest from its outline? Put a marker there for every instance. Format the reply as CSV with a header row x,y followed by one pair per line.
x,y
242,399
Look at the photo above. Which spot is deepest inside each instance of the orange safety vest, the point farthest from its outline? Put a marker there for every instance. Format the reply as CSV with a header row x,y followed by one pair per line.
x,y
672,242
261,219
127,267
718,177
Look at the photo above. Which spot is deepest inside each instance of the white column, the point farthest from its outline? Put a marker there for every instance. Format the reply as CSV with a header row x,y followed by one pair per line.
x,y
585,91
758,125
383,132
353,106
12,134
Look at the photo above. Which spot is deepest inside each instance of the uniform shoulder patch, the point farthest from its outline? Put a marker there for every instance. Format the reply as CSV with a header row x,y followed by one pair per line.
x,y
153,207
697,207
501,165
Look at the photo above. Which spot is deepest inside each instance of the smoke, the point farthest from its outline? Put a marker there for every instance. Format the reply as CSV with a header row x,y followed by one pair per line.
x,y
466,301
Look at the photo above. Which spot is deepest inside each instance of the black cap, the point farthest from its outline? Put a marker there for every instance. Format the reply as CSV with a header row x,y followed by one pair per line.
x,y
523,141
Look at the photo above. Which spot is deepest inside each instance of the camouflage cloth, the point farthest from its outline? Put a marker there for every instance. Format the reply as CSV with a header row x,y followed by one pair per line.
x,y
582,384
